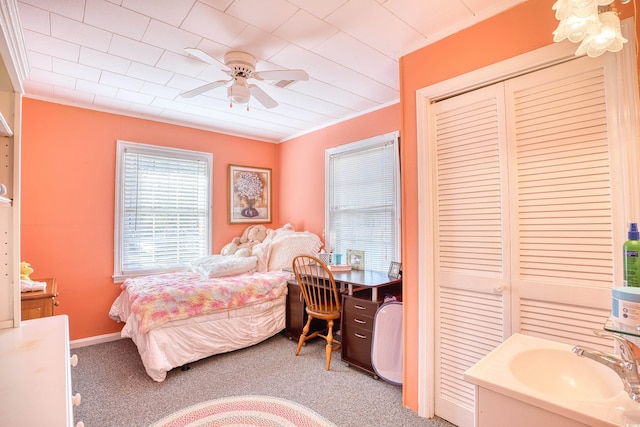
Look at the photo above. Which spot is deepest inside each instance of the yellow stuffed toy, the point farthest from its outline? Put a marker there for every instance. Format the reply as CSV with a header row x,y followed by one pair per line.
x,y
25,271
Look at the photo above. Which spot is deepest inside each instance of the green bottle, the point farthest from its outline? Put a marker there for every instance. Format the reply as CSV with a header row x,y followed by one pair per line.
x,y
631,248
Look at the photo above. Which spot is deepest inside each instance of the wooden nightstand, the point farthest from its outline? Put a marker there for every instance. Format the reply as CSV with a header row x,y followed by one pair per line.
x,y
36,304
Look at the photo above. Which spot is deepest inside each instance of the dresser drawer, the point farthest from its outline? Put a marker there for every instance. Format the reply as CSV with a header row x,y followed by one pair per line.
x,y
358,320
357,331
360,306
356,346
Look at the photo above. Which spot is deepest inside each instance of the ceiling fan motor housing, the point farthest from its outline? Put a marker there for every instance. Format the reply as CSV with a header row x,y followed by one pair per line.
x,y
241,63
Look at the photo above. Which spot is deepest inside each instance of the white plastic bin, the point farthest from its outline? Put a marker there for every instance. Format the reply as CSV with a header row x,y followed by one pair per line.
x,y
386,348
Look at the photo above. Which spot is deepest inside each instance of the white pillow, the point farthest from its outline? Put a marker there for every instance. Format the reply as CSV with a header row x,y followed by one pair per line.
x,y
261,252
286,247
220,265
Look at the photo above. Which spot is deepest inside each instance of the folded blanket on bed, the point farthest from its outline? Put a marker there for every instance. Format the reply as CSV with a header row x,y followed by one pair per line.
x,y
159,299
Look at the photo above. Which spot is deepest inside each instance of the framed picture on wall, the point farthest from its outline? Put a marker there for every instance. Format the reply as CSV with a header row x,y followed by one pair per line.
x,y
249,194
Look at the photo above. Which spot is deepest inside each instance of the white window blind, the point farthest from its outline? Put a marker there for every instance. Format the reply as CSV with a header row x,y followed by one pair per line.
x,y
163,208
363,193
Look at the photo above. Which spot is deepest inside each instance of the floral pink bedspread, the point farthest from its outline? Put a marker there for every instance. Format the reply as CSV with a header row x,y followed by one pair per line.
x,y
161,298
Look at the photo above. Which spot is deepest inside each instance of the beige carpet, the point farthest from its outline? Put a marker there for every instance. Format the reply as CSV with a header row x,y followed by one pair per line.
x,y
245,411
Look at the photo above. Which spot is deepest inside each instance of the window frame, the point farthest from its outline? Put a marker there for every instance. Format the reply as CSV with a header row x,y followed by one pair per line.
x,y
160,151
363,145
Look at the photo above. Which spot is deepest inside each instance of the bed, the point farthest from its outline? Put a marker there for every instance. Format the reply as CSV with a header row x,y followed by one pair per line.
x,y
223,303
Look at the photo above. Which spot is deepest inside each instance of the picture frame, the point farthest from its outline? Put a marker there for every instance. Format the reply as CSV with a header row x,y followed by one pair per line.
x,y
355,258
249,194
395,270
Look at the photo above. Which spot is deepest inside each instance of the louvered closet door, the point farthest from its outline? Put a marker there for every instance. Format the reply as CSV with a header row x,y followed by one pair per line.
x,y
562,202
471,223
523,220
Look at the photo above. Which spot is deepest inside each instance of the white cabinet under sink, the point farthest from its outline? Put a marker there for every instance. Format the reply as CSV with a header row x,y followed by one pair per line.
x,y
498,410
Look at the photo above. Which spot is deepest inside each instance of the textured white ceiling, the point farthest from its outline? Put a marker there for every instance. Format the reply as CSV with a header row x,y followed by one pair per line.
x,y
127,56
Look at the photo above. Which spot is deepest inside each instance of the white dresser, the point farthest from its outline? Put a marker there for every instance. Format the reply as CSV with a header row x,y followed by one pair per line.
x,y
35,374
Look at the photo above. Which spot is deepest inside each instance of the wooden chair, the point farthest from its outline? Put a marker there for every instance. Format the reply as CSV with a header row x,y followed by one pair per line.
x,y
321,297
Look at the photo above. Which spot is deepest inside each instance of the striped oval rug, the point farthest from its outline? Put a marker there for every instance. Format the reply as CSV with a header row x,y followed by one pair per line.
x,y
245,411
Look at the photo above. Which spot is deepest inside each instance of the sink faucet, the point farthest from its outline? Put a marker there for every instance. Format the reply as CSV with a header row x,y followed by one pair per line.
x,y
626,366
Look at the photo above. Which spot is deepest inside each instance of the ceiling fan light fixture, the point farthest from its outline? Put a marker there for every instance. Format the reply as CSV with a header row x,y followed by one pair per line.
x,y
238,94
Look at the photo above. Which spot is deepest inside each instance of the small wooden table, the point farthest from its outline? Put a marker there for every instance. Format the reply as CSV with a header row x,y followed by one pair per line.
x,y
36,304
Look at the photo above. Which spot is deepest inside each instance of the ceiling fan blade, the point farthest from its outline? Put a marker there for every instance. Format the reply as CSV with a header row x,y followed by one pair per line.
x,y
205,57
282,75
262,97
204,88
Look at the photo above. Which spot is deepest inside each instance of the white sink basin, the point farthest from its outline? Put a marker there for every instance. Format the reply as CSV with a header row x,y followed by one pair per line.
x,y
565,375
546,375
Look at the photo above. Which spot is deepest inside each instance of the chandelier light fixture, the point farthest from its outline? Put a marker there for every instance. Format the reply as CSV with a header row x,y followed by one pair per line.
x,y
592,23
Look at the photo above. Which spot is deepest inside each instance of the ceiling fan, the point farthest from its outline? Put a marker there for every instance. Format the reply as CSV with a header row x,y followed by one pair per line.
x,y
241,66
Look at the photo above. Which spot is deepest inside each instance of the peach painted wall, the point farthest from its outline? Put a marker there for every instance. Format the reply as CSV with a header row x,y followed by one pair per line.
x,y
519,30
68,191
302,165
68,172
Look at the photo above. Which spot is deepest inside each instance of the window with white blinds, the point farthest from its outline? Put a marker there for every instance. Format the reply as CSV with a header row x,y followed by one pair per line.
x,y
363,200
163,208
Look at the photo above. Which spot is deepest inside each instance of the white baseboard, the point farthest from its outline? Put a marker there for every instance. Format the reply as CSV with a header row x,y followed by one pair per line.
x,y
83,342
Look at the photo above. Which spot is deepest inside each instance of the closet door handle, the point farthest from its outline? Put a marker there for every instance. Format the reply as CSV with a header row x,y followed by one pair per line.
x,y
499,289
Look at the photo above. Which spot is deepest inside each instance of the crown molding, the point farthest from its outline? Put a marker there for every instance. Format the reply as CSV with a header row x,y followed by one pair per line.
x,y
12,48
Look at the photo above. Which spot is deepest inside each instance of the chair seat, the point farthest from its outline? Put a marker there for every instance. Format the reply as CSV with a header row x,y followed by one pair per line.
x,y
324,316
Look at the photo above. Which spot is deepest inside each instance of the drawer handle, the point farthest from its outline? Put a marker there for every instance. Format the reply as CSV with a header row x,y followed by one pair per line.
x,y
76,399
74,360
360,336
362,322
360,307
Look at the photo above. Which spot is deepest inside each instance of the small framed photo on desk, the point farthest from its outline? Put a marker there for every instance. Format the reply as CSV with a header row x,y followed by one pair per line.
x,y
355,259
395,270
